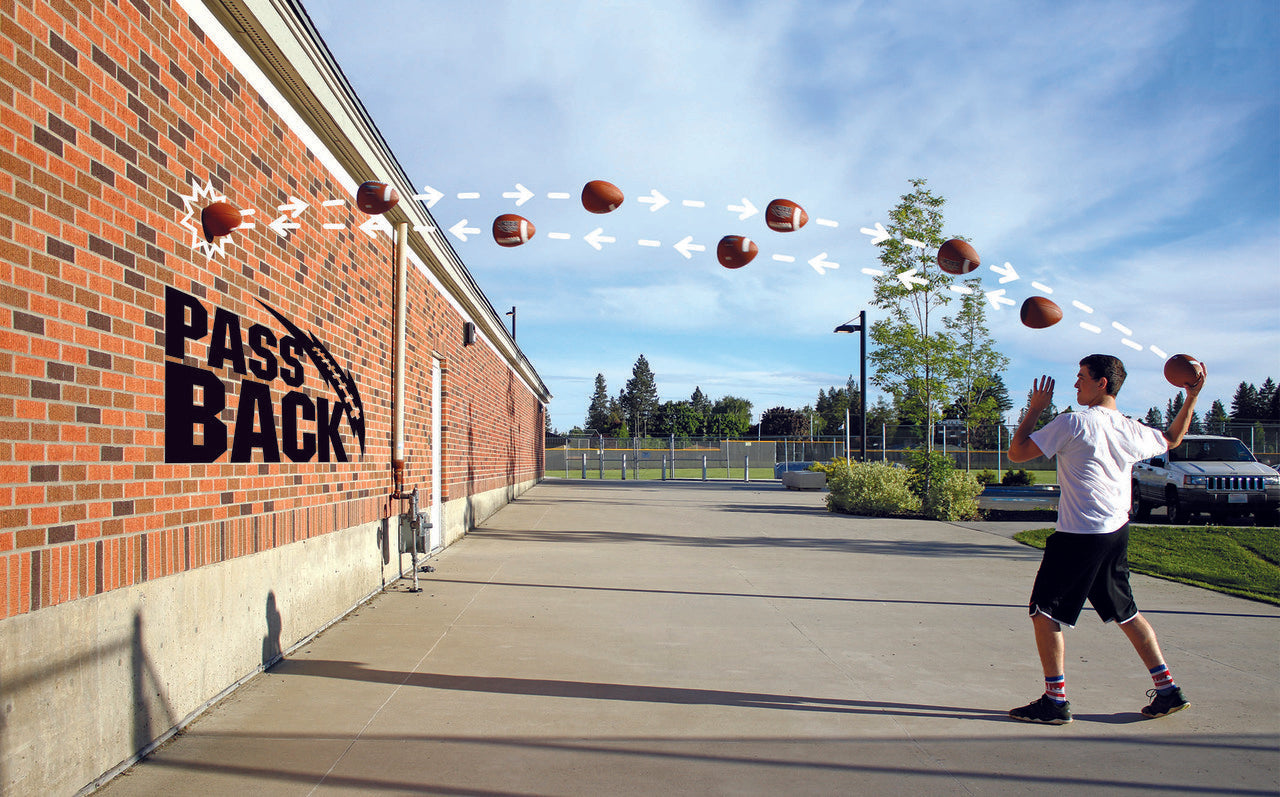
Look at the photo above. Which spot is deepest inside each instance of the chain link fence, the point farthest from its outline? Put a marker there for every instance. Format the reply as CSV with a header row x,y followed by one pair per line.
x,y
979,449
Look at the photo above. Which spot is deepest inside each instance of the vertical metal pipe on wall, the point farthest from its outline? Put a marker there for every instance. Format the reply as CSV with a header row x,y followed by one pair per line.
x,y
397,376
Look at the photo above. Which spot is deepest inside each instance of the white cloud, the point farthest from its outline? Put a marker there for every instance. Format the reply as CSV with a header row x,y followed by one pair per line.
x,y
1112,151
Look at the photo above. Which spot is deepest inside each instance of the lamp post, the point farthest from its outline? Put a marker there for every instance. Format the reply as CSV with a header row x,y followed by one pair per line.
x,y
512,313
860,327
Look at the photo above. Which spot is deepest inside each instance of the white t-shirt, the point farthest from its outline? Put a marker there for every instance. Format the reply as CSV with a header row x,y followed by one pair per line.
x,y
1096,448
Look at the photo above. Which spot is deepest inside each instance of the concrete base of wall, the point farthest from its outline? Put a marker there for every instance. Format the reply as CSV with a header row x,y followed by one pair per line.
x,y
87,686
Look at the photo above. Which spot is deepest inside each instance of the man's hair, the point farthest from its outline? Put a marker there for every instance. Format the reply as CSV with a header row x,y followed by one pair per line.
x,y
1104,365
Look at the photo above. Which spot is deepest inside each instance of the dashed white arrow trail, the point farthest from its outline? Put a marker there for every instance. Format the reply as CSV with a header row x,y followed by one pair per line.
x,y
521,195
597,237
282,225
294,207
745,211
909,278
878,235
655,200
375,224
1007,273
998,298
821,264
686,246
429,195
460,230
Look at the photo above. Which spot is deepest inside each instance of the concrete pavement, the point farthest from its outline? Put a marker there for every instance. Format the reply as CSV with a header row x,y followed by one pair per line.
x,y
614,638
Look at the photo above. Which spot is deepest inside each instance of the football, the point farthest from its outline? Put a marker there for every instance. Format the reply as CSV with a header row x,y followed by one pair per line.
x,y
218,219
735,251
1039,312
957,257
1183,370
374,198
784,215
512,230
599,196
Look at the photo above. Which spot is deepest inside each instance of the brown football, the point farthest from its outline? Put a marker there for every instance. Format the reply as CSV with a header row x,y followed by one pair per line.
x,y
1039,312
783,215
957,257
599,196
512,230
218,219
375,198
1183,370
735,251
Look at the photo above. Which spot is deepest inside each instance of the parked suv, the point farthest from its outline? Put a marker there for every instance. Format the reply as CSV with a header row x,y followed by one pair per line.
x,y
1218,475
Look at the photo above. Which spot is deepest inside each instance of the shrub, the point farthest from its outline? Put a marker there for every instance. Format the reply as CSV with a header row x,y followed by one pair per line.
x,y
1017,479
956,498
988,477
944,492
876,489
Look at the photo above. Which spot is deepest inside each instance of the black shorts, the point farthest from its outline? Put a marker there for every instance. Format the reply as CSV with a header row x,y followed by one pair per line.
x,y
1079,566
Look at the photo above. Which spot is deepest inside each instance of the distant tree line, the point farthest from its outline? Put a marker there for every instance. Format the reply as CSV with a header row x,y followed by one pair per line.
x,y
636,411
1249,405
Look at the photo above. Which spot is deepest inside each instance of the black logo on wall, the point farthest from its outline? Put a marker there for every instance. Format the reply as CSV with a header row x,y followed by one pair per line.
x,y
299,429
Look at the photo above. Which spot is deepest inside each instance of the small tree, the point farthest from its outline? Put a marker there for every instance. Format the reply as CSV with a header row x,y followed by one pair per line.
x,y
977,364
913,356
783,422
730,417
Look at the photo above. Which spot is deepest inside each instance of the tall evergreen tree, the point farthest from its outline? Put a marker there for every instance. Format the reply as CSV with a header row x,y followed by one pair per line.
x,y
640,398
1244,405
1154,419
1268,401
598,412
1216,420
702,407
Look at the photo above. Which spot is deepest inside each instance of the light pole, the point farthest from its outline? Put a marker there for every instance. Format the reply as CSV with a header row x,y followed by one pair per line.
x,y
860,327
512,313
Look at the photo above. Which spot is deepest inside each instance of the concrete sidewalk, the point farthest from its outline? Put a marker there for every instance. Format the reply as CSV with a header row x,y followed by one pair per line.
x,y
606,638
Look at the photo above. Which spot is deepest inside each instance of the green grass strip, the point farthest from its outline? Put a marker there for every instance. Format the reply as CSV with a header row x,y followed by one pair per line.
x,y
1244,562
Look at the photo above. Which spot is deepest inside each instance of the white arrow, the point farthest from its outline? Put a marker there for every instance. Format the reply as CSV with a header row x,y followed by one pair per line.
x,y
820,263
282,225
655,198
521,195
1007,274
293,207
375,224
745,211
461,230
687,245
908,277
597,237
998,298
429,195
878,236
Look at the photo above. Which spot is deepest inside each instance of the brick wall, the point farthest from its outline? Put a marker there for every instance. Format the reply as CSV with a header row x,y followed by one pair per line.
x,y
119,120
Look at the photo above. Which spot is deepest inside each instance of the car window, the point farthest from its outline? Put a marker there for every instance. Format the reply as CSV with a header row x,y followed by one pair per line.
x,y
1211,451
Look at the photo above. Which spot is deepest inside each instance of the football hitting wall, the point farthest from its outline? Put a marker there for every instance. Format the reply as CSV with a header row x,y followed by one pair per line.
x,y
194,434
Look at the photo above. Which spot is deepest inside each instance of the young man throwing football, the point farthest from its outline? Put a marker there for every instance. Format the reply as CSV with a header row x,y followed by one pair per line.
x,y
1087,555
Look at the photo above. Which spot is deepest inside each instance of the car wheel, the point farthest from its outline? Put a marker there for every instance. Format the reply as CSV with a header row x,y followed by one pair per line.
x,y
1178,514
1139,509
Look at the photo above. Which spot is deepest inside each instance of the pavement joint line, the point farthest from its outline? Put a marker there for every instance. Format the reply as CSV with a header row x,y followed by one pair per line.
x,y
394,692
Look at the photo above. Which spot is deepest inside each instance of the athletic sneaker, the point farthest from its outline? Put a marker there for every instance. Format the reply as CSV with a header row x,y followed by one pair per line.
x,y
1045,711
1165,703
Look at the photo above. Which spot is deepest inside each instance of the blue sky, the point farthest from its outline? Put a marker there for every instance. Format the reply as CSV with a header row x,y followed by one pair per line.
x,y
1124,154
